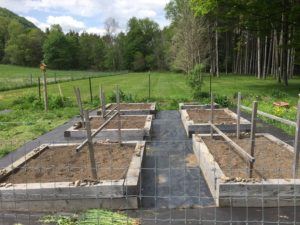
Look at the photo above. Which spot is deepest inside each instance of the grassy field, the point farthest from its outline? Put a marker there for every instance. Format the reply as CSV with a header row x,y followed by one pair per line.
x,y
12,77
28,120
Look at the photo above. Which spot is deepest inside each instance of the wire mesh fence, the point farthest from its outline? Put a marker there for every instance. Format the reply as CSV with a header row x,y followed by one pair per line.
x,y
168,178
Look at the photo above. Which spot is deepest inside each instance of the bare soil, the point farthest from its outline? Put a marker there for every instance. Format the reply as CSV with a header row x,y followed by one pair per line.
x,y
203,116
124,106
272,161
127,122
64,164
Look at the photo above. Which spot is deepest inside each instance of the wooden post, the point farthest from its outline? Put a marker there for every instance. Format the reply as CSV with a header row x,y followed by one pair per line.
x,y
61,94
297,144
91,91
102,100
252,137
45,90
211,114
31,79
79,102
149,85
39,85
90,145
119,116
238,119
55,77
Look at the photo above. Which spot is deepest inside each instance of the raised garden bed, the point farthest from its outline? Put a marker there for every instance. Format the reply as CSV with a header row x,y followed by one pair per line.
x,y
132,128
196,105
197,121
55,176
132,108
227,174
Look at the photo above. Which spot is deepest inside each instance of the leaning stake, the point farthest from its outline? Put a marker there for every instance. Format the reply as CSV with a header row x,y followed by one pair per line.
x,y
90,144
252,137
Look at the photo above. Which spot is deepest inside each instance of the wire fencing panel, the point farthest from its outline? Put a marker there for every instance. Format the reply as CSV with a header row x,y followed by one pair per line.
x,y
172,179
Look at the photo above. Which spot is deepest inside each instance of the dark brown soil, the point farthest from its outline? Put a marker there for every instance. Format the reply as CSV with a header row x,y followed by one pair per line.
x,y
127,122
272,161
124,106
64,164
203,116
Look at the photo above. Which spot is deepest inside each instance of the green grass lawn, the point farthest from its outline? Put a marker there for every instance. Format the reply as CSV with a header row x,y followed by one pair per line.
x,y
28,120
12,77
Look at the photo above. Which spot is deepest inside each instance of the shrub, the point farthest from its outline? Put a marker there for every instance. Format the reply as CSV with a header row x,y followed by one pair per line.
x,y
195,80
222,100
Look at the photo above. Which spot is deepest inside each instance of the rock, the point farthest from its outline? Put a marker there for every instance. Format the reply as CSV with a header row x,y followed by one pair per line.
x,y
3,185
77,183
8,185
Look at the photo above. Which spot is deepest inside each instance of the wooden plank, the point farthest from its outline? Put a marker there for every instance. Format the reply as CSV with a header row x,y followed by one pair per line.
x,y
285,121
96,132
297,144
110,112
248,158
90,145
252,136
9,169
238,119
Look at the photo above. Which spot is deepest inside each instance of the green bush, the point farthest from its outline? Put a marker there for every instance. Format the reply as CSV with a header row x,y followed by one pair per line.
x,y
278,94
222,100
195,80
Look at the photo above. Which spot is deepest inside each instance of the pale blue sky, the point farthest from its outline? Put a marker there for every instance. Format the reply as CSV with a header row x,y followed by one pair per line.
x,y
86,15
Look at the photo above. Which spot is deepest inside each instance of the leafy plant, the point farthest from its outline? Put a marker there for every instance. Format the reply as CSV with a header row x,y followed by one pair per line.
x,y
91,217
222,100
278,94
195,80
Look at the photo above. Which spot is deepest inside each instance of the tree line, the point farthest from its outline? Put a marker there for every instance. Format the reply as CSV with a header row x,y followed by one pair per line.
x,y
259,37
253,37
141,48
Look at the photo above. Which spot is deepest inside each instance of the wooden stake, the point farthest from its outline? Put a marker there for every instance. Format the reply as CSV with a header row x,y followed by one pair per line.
x,y
39,84
245,156
297,144
91,91
238,119
45,91
102,99
252,137
211,114
119,116
60,92
79,102
90,145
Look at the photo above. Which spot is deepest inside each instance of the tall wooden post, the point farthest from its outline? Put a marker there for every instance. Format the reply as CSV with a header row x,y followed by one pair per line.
x,y
102,100
149,85
79,102
211,114
252,136
39,87
43,69
119,116
91,91
90,145
238,119
297,144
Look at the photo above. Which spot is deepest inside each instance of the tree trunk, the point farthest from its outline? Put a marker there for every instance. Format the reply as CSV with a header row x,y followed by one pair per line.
x,y
217,49
258,58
